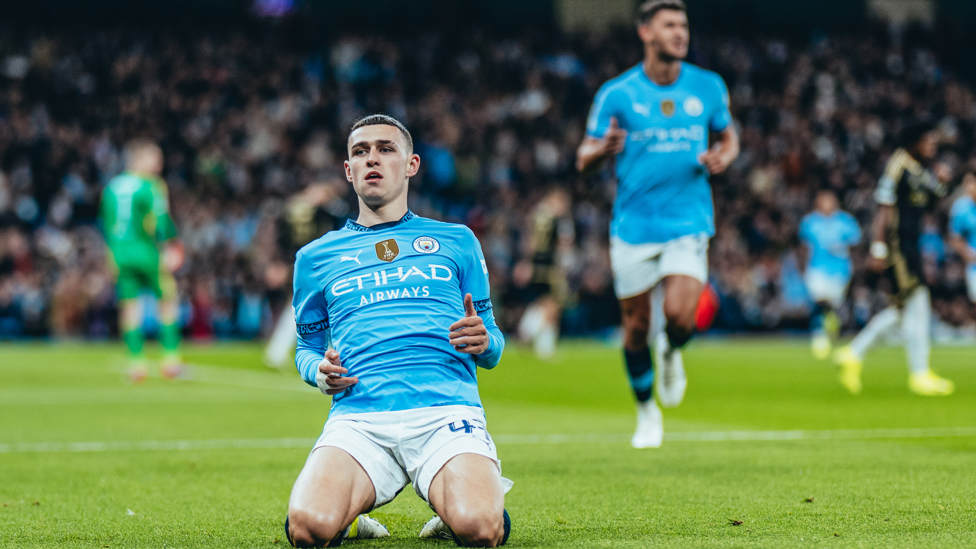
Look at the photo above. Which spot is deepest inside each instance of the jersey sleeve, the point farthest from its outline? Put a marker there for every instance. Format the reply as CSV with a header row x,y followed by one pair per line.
x,y
604,108
853,236
473,274
165,228
888,184
806,230
721,116
311,319
106,211
961,220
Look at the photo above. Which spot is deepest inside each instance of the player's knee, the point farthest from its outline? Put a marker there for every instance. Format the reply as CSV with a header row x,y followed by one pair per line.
x,y
680,317
313,529
636,328
169,311
679,335
478,529
131,317
680,323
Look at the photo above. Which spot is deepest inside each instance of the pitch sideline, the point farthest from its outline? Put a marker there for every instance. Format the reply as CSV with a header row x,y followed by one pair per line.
x,y
689,436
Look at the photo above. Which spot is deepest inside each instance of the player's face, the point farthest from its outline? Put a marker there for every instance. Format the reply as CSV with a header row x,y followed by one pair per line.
x,y
667,34
379,164
969,185
928,145
148,161
827,203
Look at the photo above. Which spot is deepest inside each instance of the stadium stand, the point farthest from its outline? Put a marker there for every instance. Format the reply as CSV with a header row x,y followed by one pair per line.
x,y
247,123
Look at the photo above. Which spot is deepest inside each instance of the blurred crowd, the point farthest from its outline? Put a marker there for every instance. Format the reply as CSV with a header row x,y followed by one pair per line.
x,y
254,132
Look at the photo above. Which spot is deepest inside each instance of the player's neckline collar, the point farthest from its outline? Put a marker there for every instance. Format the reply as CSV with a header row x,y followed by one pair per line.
x,y
353,226
647,79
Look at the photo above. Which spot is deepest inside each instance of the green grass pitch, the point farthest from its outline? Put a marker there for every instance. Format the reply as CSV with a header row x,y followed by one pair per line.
x,y
766,451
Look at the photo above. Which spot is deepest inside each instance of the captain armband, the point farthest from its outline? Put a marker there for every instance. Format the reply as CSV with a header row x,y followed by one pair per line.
x,y
313,327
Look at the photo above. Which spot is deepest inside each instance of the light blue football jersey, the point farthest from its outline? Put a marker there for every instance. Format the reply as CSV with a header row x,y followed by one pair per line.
x,y
385,296
962,220
829,239
662,188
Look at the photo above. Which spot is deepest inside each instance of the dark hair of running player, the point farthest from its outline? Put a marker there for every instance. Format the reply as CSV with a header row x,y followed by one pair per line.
x,y
649,9
913,132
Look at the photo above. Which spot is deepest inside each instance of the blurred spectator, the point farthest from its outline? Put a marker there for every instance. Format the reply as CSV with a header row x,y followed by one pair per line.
x,y
246,123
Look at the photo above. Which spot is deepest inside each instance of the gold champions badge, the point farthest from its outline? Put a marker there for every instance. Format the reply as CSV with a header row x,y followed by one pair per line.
x,y
387,250
667,107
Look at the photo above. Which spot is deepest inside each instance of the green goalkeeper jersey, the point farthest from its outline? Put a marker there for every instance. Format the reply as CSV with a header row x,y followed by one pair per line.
x,y
135,217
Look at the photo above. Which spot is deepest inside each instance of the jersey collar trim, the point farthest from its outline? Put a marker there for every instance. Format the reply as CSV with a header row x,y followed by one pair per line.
x,y
353,226
667,87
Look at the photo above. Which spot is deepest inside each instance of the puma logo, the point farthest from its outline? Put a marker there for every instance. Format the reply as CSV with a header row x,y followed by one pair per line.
x,y
351,258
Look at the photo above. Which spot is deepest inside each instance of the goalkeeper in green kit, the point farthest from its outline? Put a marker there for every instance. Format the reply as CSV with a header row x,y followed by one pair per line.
x,y
144,252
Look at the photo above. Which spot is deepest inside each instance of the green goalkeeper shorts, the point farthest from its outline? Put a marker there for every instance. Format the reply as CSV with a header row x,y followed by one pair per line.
x,y
135,278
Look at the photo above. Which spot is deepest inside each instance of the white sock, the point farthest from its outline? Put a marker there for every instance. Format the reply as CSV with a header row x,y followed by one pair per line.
x,y
645,407
876,327
283,339
915,329
531,322
545,341
658,322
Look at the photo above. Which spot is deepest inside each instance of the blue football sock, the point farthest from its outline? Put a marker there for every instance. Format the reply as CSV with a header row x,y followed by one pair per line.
x,y
640,369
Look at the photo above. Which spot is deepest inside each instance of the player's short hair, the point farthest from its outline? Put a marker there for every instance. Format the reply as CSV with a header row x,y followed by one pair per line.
x,y
649,9
913,132
140,144
385,120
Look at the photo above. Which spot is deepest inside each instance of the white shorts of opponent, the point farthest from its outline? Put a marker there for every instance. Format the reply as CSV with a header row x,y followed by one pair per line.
x,y
829,287
395,448
971,282
639,267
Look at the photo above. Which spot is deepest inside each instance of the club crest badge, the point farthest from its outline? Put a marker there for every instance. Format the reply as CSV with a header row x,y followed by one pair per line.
x,y
387,250
693,106
667,107
426,244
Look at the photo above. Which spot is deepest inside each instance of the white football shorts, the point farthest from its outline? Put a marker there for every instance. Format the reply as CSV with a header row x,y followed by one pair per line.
x,y
395,448
823,286
971,282
639,267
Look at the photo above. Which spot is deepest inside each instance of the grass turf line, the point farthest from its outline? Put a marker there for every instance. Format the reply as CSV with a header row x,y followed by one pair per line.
x,y
907,492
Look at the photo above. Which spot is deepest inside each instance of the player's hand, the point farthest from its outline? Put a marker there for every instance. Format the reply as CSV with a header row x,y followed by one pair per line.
x,y
876,264
469,334
173,256
714,160
614,139
329,377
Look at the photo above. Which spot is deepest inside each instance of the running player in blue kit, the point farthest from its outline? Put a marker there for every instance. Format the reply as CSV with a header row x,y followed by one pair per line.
x,y
394,316
828,232
962,230
655,120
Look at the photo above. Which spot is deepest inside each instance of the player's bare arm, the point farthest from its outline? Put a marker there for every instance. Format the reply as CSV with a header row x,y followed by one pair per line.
x,y
173,255
878,252
593,152
961,247
724,152
469,334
